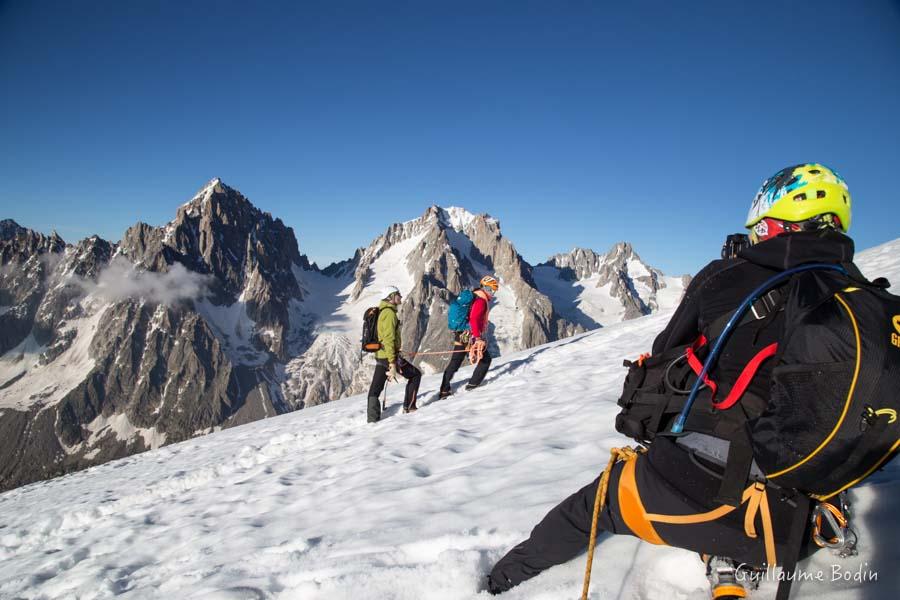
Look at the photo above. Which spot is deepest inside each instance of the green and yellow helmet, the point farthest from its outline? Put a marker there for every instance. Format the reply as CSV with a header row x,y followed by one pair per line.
x,y
802,192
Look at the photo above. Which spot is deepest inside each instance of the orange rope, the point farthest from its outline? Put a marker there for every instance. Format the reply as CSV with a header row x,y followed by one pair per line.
x,y
433,353
615,455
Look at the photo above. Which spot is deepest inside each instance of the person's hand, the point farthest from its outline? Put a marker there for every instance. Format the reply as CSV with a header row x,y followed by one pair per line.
x,y
392,373
476,351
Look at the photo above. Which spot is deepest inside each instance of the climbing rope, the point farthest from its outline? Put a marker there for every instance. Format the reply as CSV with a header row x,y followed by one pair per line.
x,y
405,353
615,455
476,352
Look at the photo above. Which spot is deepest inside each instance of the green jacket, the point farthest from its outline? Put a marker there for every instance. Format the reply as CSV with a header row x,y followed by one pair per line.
x,y
388,331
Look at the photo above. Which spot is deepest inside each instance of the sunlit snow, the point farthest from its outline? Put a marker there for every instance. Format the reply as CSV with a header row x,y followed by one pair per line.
x,y
317,504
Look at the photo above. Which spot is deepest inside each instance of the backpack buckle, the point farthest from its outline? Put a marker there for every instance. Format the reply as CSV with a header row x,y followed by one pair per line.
x,y
765,304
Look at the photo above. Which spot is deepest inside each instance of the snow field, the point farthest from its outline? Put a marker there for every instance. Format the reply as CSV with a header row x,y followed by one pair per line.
x,y
319,505
882,261
388,269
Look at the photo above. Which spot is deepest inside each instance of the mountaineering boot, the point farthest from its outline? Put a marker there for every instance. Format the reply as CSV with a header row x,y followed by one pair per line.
x,y
723,580
470,387
442,395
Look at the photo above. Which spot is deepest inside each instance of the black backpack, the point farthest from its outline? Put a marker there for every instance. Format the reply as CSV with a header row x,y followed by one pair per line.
x,y
828,417
370,341
831,419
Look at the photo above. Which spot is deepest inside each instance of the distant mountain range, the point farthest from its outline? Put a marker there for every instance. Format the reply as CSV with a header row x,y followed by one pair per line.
x,y
215,319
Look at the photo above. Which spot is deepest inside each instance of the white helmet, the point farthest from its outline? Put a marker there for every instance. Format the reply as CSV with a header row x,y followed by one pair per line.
x,y
389,291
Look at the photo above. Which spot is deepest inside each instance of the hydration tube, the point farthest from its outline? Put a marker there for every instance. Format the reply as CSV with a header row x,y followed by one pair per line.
x,y
678,426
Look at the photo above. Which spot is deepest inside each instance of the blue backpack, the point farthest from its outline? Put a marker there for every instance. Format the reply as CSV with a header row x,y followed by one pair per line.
x,y
458,314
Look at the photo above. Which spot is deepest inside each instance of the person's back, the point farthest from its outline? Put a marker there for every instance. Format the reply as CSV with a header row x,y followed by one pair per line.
x,y
472,340
713,296
690,475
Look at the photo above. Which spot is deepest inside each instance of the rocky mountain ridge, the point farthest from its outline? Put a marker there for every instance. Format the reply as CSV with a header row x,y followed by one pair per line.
x,y
620,274
215,319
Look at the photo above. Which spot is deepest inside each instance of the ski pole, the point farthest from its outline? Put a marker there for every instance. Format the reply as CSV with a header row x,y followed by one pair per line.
x,y
384,402
678,426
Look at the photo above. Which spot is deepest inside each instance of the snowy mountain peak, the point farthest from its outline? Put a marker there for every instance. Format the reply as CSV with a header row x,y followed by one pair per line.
x,y
607,288
582,263
218,201
208,189
620,252
456,217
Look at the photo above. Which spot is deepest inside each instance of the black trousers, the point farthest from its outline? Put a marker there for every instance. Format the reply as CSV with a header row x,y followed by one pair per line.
x,y
405,368
670,482
456,360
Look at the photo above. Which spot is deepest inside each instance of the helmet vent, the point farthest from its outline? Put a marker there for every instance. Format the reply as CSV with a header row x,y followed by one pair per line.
x,y
845,199
820,193
814,172
800,197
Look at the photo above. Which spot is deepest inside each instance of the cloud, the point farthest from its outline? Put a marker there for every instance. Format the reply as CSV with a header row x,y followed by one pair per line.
x,y
120,281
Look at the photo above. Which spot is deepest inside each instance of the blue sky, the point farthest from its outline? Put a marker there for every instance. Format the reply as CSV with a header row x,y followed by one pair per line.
x,y
574,123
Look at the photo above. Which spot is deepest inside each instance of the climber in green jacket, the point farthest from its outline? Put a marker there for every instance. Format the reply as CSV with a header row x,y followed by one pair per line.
x,y
389,363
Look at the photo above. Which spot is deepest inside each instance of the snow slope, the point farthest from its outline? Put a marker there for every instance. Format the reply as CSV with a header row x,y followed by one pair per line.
x,y
882,261
389,268
318,505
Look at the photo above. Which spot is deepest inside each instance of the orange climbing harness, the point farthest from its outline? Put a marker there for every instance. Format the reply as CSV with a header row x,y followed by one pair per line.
x,y
640,522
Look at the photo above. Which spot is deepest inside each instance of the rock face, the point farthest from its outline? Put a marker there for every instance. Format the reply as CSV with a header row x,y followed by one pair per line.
x,y
115,349
215,319
249,255
27,259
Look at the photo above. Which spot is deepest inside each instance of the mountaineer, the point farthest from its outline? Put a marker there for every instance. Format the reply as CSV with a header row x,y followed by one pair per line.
x,y
770,392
